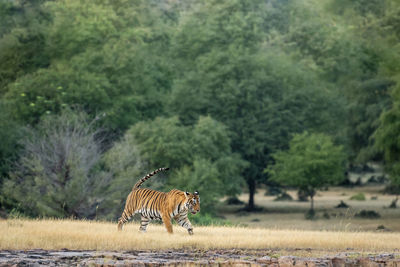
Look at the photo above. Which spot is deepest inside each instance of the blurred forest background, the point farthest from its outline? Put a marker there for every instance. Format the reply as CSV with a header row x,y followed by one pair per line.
x,y
232,95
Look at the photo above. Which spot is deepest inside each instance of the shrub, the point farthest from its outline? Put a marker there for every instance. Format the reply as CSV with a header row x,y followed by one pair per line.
x,y
393,204
326,215
359,197
368,214
207,219
392,189
372,180
302,196
283,197
346,182
234,201
381,227
342,204
56,174
273,191
310,215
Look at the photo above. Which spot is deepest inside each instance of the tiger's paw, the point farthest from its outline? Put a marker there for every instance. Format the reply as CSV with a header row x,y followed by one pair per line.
x,y
190,231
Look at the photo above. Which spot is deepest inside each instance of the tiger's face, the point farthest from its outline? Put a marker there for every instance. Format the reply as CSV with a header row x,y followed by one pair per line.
x,y
193,202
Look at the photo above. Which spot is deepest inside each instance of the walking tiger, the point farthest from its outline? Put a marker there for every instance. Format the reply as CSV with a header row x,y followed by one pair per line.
x,y
155,205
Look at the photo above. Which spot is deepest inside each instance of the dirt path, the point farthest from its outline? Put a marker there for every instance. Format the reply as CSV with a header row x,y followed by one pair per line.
x,y
188,258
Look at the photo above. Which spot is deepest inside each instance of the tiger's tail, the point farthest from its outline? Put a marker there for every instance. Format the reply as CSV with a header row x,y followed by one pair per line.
x,y
141,181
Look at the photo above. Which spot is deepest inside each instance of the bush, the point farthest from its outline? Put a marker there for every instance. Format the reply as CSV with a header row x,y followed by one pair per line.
x,y
393,204
372,180
273,191
381,227
368,214
359,197
342,204
392,189
302,196
56,175
16,214
283,197
234,201
346,182
207,219
310,215
326,215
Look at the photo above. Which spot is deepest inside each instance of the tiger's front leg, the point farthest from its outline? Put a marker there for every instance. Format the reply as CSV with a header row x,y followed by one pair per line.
x,y
144,221
183,221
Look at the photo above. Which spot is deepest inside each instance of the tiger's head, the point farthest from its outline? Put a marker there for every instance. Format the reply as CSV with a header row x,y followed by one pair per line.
x,y
193,202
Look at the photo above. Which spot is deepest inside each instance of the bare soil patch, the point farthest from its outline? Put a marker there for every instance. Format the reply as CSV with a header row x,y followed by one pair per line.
x,y
234,257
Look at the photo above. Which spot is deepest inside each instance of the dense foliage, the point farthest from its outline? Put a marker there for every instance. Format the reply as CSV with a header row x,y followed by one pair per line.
x,y
211,88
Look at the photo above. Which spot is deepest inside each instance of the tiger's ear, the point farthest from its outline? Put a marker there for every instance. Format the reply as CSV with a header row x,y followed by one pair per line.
x,y
187,194
196,193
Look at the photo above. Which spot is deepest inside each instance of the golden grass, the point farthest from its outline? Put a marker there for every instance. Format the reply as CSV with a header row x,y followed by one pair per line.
x,y
91,235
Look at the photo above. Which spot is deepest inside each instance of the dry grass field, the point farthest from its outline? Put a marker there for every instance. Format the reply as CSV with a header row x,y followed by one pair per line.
x,y
21,234
279,230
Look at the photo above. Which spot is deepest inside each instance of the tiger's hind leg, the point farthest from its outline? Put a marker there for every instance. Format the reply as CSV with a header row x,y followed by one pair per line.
x,y
129,210
123,219
144,221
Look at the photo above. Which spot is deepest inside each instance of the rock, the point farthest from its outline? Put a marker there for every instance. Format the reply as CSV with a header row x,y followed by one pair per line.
x,y
286,261
338,262
219,257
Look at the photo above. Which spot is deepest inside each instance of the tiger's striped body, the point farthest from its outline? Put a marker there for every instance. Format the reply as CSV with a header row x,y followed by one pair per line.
x,y
155,205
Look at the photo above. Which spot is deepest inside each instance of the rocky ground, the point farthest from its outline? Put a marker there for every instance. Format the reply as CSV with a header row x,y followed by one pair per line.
x,y
189,258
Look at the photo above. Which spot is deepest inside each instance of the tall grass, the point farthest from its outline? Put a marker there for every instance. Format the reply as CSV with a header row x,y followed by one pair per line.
x,y
91,235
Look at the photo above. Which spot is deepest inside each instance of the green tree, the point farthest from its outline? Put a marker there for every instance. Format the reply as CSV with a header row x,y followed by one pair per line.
x,y
362,7
223,77
387,140
368,100
357,66
261,96
368,93
10,134
22,40
199,156
105,57
202,175
386,136
311,163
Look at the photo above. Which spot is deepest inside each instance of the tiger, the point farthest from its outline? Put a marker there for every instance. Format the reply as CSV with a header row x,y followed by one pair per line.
x,y
155,205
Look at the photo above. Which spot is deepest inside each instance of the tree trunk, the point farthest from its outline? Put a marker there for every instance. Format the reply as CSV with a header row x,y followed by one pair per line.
x,y
312,204
393,205
311,193
252,190
311,213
